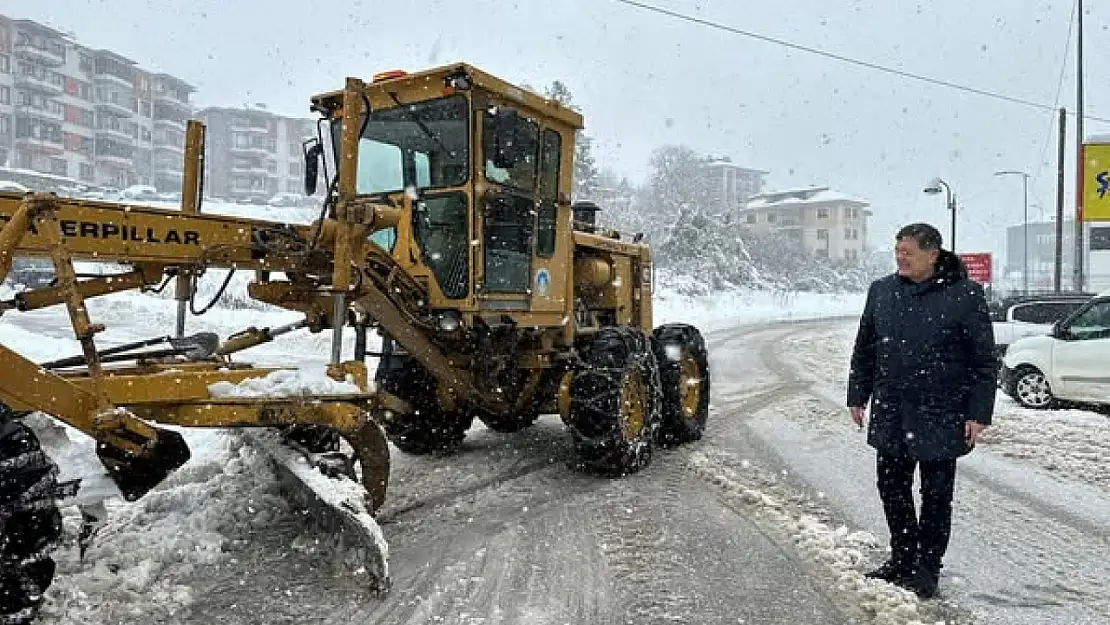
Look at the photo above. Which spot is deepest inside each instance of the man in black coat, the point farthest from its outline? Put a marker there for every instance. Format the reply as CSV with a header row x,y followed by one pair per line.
x,y
924,360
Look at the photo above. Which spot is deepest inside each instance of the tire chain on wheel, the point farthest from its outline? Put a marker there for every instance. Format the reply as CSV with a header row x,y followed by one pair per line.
x,y
595,426
30,523
675,428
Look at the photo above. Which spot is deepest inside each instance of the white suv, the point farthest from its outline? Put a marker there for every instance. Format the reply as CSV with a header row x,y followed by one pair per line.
x,y
1071,364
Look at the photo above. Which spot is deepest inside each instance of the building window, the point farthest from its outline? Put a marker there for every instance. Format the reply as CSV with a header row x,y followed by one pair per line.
x,y
771,218
751,218
822,252
822,213
58,167
5,95
822,234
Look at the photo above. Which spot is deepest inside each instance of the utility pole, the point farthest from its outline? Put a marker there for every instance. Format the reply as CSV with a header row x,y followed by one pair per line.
x,y
1025,224
1079,260
1058,277
952,207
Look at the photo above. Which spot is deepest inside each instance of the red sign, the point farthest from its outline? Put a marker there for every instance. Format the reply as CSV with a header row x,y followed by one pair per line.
x,y
978,265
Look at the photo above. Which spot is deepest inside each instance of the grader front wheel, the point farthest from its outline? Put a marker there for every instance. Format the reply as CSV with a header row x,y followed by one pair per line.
x,y
616,402
684,372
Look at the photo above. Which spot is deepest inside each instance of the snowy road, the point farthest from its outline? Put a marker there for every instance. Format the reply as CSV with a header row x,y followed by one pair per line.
x,y
769,519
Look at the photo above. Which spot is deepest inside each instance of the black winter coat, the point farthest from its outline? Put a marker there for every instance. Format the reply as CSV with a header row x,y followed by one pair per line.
x,y
924,358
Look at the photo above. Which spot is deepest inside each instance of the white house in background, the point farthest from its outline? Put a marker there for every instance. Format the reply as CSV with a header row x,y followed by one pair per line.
x,y
824,222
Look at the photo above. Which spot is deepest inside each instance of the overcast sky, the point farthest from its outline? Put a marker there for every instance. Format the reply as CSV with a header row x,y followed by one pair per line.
x,y
645,79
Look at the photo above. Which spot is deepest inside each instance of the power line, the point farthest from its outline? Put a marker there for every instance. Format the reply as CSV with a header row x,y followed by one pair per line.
x,y
845,59
1056,102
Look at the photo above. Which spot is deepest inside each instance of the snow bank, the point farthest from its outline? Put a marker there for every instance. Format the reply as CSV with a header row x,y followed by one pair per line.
x,y
286,383
145,549
840,551
747,306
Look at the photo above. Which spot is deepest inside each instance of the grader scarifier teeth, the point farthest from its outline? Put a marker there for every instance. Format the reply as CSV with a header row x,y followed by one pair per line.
x,y
136,474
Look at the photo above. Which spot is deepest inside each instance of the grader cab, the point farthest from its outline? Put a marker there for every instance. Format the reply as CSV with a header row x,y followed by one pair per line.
x,y
446,226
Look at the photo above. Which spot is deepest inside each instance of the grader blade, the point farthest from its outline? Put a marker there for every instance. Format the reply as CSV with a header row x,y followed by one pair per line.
x,y
341,507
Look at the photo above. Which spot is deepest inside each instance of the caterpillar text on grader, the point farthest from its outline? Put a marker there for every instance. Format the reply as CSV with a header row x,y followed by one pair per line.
x,y
447,227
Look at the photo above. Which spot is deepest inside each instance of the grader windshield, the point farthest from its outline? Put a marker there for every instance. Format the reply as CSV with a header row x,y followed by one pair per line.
x,y
420,146
423,150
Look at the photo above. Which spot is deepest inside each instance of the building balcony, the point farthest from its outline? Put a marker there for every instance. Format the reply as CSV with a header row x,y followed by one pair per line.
x,y
252,171
40,146
40,85
26,110
112,79
43,56
253,150
169,99
165,122
117,160
249,128
118,134
116,108
171,148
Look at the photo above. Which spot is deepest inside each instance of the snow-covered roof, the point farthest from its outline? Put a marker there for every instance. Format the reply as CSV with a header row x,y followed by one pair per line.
x,y
801,197
731,165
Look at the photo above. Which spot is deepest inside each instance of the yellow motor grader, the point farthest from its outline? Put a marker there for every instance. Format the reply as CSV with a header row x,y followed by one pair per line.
x,y
446,226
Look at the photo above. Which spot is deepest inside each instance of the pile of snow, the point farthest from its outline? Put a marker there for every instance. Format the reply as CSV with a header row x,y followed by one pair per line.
x,y
286,383
140,557
842,552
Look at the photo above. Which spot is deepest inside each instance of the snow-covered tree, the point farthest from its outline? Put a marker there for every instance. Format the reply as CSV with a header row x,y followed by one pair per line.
x,y
586,183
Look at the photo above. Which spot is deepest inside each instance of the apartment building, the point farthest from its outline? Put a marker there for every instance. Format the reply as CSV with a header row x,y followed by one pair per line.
x,y
254,153
824,223
88,114
729,186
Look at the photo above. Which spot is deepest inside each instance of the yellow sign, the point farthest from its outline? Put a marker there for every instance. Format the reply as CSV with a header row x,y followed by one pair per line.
x,y
1095,192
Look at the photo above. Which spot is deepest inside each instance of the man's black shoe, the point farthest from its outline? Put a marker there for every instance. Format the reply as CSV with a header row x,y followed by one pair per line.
x,y
892,572
925,581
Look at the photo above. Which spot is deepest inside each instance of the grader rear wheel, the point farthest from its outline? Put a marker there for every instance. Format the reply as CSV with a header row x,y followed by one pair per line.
x,y
616,402
30,523
684,372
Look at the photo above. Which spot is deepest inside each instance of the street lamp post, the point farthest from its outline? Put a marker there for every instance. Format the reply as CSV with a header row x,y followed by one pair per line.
x,y
934,187
1025,228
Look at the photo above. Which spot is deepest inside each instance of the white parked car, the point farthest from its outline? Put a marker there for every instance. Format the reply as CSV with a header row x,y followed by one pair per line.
x,y
1032,315
1071,363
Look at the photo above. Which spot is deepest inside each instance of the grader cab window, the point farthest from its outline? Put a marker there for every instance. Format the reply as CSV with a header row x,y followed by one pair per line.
x,y
440,227
510,146
420,146
549,194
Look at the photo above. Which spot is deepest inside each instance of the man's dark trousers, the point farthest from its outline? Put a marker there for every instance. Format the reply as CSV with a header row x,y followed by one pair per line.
x,y
912,540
